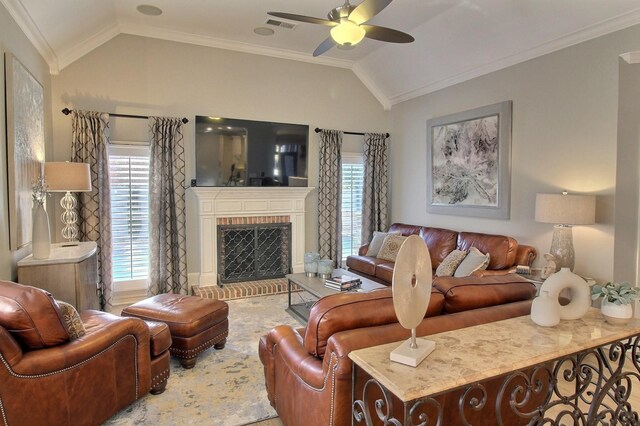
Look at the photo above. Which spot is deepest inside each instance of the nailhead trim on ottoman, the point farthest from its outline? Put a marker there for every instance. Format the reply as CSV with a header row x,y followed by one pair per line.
x,y
195,323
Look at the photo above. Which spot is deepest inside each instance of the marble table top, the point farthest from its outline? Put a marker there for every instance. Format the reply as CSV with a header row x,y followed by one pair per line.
x,y
63,253
478,353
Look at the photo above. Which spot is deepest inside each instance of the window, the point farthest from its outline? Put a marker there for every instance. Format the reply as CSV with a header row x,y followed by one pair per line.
x,y
352,182
129,174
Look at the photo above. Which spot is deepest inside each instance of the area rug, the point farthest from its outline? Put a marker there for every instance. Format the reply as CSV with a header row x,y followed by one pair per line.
x,y
245,289
226,387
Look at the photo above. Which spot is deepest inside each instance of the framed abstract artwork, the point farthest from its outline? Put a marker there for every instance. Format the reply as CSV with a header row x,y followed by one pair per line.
x,y
25,145
469,162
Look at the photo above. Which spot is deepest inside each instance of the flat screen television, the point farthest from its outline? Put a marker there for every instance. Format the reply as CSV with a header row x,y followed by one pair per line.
x,y
233,152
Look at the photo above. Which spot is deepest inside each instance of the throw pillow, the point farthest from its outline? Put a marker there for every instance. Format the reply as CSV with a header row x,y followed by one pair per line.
x,y
72,320
475,261
376,242
450,263
390,247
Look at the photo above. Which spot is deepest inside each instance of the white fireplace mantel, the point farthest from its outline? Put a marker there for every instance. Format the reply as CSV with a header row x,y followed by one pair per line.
x,y
213,203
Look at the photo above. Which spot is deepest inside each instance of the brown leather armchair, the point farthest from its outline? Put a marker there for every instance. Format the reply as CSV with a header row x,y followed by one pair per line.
x,y
46,379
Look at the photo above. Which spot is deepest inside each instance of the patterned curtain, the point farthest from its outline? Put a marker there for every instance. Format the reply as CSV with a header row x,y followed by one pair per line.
x,y
168,263
329,196
90,139
376,180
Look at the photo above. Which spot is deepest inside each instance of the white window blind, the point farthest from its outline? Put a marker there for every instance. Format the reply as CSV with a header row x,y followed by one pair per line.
x,y
129,174
352,182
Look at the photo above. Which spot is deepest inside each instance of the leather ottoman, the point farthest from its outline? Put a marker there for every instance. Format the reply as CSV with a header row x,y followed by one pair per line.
x,y
195,323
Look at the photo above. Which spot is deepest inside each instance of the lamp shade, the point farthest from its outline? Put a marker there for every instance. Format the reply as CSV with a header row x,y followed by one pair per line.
x,y
66,176
566,209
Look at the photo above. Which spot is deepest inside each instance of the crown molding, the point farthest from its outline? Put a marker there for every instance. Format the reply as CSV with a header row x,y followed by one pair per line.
x,y
28,26
631,57
77,51
201,40
590,32
370,84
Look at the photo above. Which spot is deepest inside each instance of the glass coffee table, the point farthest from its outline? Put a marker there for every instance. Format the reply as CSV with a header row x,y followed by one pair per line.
x,y
316,288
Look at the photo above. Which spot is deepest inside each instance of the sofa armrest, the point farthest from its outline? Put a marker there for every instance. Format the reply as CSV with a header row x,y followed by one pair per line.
x,y
525,255
362,251
9,348
489,273
103,331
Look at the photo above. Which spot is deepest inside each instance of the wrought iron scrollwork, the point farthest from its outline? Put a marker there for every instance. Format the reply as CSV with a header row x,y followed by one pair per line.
x,y
383,406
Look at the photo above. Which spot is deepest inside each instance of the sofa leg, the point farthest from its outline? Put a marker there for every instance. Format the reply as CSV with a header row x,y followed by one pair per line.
x,y
220,345
159,388
188,363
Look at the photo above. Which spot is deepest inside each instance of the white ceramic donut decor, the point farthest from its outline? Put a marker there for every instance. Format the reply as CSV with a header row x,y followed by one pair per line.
x,y
547,305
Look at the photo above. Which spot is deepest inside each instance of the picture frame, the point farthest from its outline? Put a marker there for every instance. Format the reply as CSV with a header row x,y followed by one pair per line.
x,y
469,162
24,106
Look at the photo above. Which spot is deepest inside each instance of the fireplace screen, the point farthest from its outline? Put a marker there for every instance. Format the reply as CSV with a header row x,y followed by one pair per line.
x,y
252,252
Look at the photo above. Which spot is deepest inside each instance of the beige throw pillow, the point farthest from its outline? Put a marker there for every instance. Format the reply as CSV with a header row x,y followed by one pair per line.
x,y
72,320
376,242
475,261
450,263
390,247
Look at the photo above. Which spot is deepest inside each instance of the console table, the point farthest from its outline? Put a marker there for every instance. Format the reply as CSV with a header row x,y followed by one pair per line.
x,y
507,372
69,274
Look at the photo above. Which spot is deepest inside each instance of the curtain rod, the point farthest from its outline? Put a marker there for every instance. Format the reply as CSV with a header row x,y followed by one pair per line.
x,y
67,111
318,130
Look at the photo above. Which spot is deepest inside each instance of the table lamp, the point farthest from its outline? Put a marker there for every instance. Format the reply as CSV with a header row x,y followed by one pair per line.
x,y
68,178
565,210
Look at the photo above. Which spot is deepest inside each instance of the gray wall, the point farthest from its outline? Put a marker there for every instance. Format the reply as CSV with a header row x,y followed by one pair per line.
x,y
627,179
564,137
13,40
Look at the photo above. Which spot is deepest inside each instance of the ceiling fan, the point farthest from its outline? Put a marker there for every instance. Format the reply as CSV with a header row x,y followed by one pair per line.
x,y
348,25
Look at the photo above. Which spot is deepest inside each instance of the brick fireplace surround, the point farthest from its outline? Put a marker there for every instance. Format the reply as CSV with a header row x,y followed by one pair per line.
x,y
245,205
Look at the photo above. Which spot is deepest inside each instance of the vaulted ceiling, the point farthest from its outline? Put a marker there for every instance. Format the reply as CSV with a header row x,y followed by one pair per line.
x,y
455,39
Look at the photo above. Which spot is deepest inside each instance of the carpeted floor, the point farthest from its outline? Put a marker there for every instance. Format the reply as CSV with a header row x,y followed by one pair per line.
x,y
226,387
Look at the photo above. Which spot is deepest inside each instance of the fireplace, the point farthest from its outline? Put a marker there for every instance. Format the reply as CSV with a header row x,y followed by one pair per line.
x,y
213,206
253,251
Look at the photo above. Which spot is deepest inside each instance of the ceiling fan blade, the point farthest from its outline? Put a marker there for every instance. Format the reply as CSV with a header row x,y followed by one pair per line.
x,y
303,18
367,10
386,34
324,46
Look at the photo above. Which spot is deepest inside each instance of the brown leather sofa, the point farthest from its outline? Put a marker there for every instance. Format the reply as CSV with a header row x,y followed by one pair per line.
x,y
46,379
505,252
308,374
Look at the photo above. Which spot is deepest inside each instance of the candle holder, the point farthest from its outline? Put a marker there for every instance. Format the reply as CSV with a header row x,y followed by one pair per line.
x,y
325,268
311,264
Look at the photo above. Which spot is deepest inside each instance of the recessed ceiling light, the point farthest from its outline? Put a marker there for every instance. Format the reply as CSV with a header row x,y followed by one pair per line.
x,y
147,9
263,31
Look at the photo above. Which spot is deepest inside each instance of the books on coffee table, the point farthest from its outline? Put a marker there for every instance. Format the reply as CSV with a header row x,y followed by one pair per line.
x,y
342,282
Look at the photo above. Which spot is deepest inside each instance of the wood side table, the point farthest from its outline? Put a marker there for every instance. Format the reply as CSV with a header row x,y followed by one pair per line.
x,y
70,274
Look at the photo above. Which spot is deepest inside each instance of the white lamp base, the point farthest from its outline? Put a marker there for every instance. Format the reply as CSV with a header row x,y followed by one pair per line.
x,y
404,354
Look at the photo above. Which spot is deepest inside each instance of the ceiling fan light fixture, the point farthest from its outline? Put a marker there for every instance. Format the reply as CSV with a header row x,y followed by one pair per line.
x,y
347,33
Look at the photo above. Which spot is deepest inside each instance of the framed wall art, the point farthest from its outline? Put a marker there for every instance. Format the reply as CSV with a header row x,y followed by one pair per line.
x,y
469,162
25,145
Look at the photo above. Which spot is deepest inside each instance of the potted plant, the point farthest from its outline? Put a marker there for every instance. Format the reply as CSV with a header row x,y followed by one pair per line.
x,y
616,301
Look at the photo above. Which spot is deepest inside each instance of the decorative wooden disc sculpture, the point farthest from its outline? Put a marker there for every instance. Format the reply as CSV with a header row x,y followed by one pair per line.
x,y
411,286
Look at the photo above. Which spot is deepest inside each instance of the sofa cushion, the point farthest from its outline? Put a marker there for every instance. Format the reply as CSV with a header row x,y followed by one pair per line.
x,y
72,320
376,242
466,293
405,229
440,242
501,249
450,263
384,271
391,247
349,310
31,315
365,264
474,261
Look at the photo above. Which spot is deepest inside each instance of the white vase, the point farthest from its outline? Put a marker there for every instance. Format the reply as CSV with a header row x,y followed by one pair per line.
x,y
616,314
545,310
40,235
580,293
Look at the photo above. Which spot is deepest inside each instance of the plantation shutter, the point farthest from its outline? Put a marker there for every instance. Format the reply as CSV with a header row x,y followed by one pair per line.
x,y
129,171
352,183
